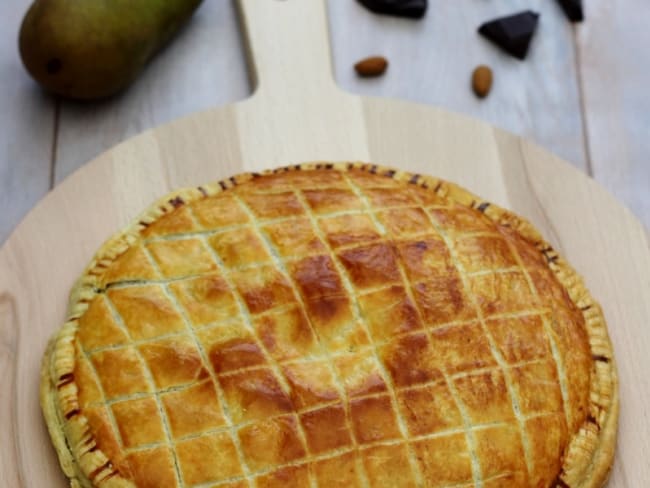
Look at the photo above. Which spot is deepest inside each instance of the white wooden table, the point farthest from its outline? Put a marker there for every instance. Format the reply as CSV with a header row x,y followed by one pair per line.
x,y
582,92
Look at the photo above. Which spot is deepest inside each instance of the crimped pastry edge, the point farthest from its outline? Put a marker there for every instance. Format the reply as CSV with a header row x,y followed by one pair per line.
x,y
587,459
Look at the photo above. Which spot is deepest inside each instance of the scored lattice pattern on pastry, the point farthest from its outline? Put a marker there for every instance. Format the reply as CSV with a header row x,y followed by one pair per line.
x,y
328,328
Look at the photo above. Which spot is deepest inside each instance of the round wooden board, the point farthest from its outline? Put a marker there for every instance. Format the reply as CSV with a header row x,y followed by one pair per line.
x,y
297,114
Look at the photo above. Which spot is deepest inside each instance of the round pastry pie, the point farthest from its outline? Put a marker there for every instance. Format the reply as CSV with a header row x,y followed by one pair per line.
x,y
331,325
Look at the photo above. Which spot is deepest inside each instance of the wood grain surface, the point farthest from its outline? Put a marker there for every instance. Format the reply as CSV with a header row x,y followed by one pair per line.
x,y
27,119
204,67
581,93
431,62
298,114
614,54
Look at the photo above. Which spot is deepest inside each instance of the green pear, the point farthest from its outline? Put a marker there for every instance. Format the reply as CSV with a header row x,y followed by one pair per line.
x,y
87,49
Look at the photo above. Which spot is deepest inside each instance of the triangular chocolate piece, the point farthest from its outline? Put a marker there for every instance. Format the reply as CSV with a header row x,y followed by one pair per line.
x,y
573,9
512,33
414,9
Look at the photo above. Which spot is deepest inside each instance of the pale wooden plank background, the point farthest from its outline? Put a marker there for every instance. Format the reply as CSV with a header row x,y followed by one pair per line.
x,y
204,67
614,50
581,93
26,128
432,62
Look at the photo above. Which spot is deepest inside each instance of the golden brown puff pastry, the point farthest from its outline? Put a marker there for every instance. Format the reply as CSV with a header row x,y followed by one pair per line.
x,y
331,325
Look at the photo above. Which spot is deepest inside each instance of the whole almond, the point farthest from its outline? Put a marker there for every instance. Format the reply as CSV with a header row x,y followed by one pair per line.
x,y
482,81
372,66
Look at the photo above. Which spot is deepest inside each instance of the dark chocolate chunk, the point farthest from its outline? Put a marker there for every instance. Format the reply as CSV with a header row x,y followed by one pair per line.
x,y
414,9
512,33
573,9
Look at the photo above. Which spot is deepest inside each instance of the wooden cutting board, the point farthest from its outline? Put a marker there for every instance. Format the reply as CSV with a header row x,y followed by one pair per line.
x,y
298,114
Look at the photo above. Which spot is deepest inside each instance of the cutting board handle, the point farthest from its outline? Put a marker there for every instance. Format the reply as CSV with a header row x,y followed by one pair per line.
x,y
288,48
